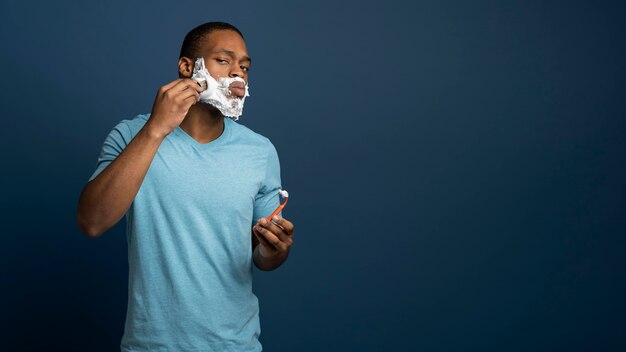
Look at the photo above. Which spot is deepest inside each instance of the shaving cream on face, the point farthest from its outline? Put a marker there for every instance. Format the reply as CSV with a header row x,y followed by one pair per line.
x,y
217,92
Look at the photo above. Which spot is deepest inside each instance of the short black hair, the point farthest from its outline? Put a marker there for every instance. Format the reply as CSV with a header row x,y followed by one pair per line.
x,y
191,44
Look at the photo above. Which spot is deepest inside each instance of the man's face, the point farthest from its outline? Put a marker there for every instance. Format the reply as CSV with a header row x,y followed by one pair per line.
x,y
225,55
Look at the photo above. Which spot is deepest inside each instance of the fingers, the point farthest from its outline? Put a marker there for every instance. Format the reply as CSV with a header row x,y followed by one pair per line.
x,y
276,236
168,86
284,224
275,229
184,91
262,240
185,84
189,93
267,238
178,86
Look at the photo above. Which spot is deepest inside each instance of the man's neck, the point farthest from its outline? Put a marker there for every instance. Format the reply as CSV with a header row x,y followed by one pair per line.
x,y
203,123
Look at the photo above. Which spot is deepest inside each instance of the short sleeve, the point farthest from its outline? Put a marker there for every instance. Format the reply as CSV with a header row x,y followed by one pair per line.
x,y
268,198
113,145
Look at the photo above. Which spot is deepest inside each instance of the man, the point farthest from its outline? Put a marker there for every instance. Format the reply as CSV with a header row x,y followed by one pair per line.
x,y
191,182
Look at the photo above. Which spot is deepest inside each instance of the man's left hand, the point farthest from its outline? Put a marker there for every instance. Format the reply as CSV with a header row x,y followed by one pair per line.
x,y
275,237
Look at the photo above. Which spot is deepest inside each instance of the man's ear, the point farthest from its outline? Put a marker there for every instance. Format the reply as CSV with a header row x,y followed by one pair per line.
x,y
185,67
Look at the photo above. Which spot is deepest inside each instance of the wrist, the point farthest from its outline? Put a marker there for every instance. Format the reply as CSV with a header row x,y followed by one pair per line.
x,y
155,132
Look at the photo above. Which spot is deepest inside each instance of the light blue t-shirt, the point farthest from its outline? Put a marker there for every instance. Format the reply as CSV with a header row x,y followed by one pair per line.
x,y
189,239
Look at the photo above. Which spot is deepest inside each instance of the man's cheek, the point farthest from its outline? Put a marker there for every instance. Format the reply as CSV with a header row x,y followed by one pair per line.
x,y
216,71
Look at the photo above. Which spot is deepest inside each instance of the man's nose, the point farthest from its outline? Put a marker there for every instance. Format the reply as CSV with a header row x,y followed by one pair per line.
x,y
236,71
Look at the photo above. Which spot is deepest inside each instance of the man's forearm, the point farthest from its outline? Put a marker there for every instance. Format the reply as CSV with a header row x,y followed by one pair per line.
x,y
106,198
268,263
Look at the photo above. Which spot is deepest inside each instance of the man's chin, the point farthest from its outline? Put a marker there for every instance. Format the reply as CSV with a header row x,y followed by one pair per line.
x,y
226,106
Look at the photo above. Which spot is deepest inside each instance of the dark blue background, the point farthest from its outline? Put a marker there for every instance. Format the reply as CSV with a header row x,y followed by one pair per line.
x,y
479,207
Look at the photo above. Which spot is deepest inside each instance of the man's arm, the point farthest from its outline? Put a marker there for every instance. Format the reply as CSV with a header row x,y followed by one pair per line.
x,y
271,242
105,199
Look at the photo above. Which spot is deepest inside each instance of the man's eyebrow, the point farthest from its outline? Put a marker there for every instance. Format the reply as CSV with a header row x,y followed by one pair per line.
x,y
232,54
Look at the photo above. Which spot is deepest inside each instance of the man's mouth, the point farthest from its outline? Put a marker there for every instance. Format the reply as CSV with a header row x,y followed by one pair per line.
x,y
238,89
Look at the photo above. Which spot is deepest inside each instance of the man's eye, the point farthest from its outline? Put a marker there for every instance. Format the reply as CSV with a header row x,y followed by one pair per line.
x,y
246,69
221,61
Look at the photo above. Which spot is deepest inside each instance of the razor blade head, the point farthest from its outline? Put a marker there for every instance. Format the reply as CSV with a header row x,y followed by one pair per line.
x,y
203,84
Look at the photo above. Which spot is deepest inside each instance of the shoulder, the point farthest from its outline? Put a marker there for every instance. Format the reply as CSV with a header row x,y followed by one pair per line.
x,y
135,124
127,129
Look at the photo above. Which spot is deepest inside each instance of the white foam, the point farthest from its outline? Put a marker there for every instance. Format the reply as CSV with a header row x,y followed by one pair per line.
x,y
217,92
284,193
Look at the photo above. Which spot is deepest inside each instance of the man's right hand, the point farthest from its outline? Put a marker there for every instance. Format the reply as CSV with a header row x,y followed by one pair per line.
x,y
171,105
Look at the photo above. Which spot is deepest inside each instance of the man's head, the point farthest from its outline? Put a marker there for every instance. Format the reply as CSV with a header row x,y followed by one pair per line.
x,y
224,51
